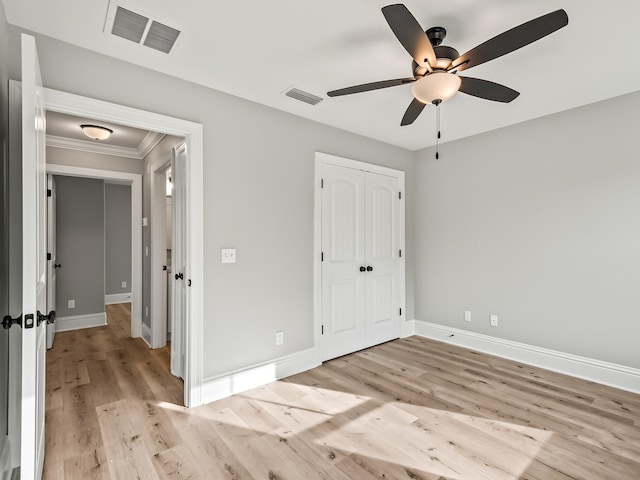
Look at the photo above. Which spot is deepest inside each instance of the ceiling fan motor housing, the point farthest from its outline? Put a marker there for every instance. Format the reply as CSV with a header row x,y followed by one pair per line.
x,y
444,56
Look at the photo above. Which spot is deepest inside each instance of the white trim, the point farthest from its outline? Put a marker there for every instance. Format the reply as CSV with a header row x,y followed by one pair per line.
x,y
5,459
611,374
407,328
146,335
148,143
158,249
57,101
90,147
79,322
230,383
135,180
113,298
325,158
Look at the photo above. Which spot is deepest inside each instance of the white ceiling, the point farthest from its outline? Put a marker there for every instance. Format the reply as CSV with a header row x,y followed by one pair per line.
x,y
256,50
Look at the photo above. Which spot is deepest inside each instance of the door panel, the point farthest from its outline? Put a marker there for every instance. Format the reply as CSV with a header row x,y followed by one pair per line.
x,y
34,264
343,254
52,262
382,239
178,261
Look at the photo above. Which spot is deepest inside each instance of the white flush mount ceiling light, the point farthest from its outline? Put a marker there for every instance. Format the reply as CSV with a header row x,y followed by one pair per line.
x,y
96,132
436,87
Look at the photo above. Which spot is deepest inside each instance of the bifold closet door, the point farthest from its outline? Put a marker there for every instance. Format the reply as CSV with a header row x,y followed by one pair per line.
x,y
360,267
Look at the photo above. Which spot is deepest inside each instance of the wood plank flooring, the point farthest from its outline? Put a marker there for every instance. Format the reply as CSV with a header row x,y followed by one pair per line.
x,y
408,409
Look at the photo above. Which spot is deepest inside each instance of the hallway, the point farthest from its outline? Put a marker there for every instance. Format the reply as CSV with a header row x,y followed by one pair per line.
x,y
103,366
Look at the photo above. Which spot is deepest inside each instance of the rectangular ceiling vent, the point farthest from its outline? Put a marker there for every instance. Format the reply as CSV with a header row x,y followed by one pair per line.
x,y
140,28
303,96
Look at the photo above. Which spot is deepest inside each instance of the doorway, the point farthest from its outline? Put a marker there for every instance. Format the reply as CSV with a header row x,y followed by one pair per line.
x,y
192,133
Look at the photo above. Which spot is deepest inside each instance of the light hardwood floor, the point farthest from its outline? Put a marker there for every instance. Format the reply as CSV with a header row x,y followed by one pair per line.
x,y
408,409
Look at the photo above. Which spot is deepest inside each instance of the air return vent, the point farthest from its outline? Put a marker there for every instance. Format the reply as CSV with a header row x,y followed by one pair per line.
x,y
140,28
303,96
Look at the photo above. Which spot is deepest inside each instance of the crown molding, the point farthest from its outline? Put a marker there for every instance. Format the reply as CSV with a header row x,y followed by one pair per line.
x,y
91,147
149,142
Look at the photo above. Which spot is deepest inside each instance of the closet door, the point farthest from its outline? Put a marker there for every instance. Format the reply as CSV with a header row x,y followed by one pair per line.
x,y
343,281
361,238
382,241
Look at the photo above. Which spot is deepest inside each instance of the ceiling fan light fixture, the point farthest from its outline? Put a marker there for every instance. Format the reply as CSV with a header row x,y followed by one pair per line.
x,y
96,132
436,86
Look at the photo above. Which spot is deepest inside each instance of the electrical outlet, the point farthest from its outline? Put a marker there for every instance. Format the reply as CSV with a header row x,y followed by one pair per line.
x,y
71,304
494,320
228,255
279,338
124,284
467,316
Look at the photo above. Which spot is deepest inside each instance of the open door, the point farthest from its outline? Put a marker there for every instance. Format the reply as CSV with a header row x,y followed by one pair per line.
x,y
52,265
34,265
179,260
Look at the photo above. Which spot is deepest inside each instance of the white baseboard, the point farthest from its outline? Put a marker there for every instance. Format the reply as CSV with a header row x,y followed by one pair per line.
x,y
117,298
146,334
77,322
5,460
611,374
225,385
407,328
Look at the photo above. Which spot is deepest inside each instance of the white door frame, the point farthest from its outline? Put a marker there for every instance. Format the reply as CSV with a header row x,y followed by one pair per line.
x,y
325,158
158,254
192,132
135,181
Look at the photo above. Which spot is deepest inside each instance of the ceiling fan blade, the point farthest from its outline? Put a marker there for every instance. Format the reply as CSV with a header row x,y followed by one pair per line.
x,y
487,90
410,34
511,40
366,87
415,109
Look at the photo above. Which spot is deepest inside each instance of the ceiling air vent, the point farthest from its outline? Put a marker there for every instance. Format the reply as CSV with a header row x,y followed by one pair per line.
x,y
140,28
303,96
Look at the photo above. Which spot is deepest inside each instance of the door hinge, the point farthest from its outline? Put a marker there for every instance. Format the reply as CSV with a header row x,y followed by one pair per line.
x,y
322,330
189,283
28,321
322,256
8,321
400,253
48,256
48,192
400,312
322,183
399,195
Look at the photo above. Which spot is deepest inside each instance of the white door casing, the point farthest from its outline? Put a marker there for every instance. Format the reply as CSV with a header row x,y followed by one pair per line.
x,y
360,238
34,264
51,256
179,305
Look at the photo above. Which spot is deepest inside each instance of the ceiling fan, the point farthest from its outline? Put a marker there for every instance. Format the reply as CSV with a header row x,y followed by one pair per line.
x,y
435,66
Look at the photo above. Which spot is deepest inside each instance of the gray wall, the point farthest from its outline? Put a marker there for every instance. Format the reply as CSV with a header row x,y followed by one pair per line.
x,y
80,245
258,198
117,231
538,223
74,158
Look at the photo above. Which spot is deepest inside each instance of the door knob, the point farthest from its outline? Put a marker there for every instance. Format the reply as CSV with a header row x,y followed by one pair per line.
x,y
57,265
51,318
179,276
362,269
369,268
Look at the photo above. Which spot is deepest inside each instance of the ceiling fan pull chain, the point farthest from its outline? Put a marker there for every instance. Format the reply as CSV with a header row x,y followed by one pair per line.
x,y
437,129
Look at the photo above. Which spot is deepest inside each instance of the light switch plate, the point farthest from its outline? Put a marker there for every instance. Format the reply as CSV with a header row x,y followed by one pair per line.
x,y
228,255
